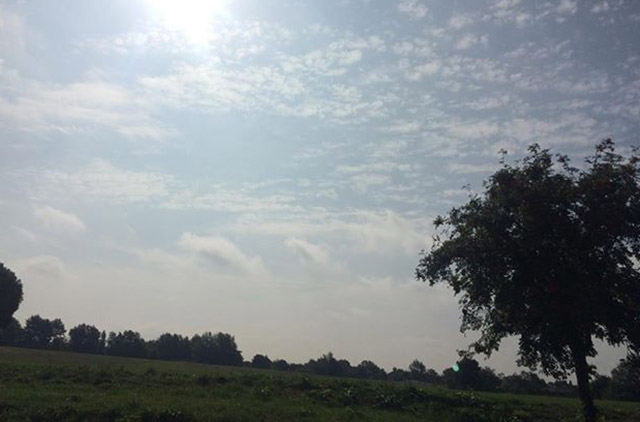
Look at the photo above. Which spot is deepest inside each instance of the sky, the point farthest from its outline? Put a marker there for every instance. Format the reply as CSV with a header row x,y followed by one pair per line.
x,y
272,169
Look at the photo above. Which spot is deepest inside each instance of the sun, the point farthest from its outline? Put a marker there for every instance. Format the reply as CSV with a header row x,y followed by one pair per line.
x,y
192,18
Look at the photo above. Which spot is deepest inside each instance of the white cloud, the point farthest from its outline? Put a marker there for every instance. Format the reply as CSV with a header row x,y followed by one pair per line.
x,y
509,11
364,181
26,234
460,21
472,129
231,198
413,8
307,251
404,127
361,231
429,68
567,6
563,129
601,7
14,33
81,106
465,168
294,86
42,268
222,252
59,220
403,48
103,181
467,41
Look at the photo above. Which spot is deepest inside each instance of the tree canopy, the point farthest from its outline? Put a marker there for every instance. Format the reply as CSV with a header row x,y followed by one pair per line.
x,y
625,379
44,333
548,252
216,349
86,338
10,295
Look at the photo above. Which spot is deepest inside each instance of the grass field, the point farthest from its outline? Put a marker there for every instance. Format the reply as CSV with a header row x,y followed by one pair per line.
x,y
39,385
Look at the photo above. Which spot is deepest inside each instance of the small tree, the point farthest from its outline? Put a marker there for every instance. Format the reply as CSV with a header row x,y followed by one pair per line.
x,y
12,334
524,383
173,347
368,369
327,364
548,253
10,295
261,362
127,343
417,370
216,349
280,365
85,338
466,376
625,379
43,333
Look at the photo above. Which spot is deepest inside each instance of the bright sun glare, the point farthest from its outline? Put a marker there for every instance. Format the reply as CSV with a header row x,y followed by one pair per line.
x,y
192,18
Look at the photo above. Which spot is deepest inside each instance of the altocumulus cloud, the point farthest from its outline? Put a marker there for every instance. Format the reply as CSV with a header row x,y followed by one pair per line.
x,y
307,251
222,252
59,220
43,267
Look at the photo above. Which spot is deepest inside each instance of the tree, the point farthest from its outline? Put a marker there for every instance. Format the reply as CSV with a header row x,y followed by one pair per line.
x,y
524,383
432,377
625,379
368,369
280,365
329,365
600,386
398,374
548,253
85,338
43,333
12,334
10,295
466,376
173,347
417,370
216,349
127,343
261,362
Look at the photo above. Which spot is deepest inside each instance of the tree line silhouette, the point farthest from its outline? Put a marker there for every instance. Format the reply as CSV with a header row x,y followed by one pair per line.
x,y
221,349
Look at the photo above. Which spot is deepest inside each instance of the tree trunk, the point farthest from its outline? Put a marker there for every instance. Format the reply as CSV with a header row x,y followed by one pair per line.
x,y
584,390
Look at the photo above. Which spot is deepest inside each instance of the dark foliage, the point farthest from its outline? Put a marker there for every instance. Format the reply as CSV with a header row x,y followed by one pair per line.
x,y
600,385
470,376
10,295
127,343
261,362
12,334
216,349
85,338
280,365
43,333
524,383
417,370
328,365
173,347
368,369
625,380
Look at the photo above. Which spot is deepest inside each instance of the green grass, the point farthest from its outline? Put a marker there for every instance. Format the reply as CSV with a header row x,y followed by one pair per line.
x,y
39,385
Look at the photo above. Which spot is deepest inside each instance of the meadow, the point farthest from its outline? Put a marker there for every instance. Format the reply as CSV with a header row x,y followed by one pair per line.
x,y
37,385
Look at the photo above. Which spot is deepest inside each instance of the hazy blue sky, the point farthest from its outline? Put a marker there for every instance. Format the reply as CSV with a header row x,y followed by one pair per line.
x,y
271,169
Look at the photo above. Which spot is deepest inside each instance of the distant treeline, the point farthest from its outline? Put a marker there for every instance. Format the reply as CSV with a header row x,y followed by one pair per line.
x,y
221,349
